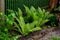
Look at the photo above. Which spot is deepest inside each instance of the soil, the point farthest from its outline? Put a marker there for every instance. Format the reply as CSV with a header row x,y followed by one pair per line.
x,y
58,18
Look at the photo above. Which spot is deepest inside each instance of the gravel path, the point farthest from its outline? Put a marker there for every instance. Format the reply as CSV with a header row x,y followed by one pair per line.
x,y
55,33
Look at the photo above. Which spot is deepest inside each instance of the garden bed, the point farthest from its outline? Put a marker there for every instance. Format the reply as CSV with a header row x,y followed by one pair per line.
x,y
43,35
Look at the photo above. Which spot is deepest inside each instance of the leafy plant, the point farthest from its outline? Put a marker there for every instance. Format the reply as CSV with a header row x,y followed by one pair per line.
x,y
7,36
53,21
1,19
32,21
57,9
24,28
55,38
6,21
9,19
39,15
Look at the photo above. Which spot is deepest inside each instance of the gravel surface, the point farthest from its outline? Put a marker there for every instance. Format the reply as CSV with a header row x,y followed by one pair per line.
x,y
55,33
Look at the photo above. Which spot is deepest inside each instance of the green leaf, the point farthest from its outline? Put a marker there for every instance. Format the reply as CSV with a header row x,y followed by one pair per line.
x,y
35,29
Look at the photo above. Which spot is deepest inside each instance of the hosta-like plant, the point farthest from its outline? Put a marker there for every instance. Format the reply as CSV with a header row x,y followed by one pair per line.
x,y
32,21
39,15
24,28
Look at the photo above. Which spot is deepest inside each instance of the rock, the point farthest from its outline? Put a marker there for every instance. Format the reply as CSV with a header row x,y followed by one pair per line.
x,y
29,39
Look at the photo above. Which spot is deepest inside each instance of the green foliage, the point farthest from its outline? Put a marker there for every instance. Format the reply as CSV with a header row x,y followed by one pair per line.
x,y
53,21
1,19
7,36
5,25
9,19
55,38
3,36
57,9
24,28
26,25
39,15
32,21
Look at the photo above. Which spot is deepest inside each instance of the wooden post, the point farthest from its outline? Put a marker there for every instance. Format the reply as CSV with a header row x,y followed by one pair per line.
x,y
52,4
2,6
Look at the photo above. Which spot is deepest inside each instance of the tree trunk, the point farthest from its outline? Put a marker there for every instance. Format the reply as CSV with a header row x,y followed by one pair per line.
x,y
2,6
53,3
